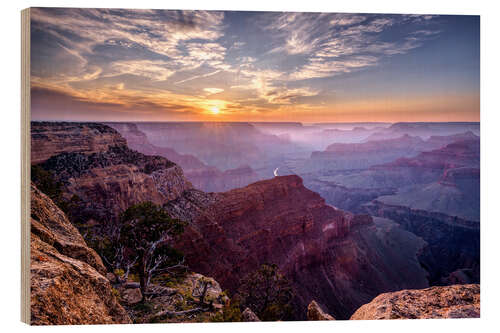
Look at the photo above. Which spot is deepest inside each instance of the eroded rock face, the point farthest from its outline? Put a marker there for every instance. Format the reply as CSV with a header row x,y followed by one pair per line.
x,y
52,226
339,259
50,139
456,301
314,312
67,282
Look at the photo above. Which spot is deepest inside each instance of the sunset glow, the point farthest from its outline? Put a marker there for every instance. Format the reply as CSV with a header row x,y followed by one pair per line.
x,y
151,65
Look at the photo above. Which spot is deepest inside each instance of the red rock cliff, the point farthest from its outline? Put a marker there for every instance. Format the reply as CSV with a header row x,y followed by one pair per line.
x,y
331,256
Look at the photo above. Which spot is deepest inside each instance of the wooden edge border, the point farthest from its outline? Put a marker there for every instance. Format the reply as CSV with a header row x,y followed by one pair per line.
x,y
25,164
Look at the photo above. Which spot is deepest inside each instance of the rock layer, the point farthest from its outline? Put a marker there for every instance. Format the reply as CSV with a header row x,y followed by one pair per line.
x,y
49,139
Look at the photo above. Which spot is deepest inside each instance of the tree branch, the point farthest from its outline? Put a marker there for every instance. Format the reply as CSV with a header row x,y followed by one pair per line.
x,y
178,313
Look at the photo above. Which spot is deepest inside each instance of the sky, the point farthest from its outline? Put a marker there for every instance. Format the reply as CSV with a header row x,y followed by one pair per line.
x,y
162,65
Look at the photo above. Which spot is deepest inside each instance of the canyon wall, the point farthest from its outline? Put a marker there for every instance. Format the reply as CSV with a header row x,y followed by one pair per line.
x,y
68,283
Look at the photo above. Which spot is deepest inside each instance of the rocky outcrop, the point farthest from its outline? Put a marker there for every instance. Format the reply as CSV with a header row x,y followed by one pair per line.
x,y
68,285
456,301
50,139
249,315
314,312
435,195
339,259
107,181
426,130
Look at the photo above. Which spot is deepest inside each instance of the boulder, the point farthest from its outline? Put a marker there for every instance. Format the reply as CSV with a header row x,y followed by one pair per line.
x,y
314,312
249,315
456,301
131,296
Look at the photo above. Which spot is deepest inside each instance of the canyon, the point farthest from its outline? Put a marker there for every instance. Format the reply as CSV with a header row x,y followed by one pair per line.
x,y
238,219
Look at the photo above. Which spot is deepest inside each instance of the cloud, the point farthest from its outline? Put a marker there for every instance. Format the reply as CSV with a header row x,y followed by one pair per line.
x,y
81,31
296,29
238,45
285,95
198,76
341,43
156,70
319,67
346,19
159,31
212,91
212,54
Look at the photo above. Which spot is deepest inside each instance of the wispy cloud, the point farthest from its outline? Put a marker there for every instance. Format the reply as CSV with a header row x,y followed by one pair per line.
x,y
156,70
341,43
319,67
198,76
80,31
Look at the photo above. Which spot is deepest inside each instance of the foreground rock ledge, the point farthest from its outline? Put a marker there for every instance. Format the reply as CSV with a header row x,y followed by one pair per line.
x,y
68,286
456,301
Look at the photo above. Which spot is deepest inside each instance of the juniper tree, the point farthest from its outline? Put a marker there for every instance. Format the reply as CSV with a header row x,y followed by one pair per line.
x,y
148,232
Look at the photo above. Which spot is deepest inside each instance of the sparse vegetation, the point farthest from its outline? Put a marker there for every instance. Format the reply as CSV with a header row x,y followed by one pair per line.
x,y
267,293
46,182
146,236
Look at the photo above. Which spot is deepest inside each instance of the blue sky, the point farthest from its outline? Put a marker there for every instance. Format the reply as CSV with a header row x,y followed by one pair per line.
x,y
98,64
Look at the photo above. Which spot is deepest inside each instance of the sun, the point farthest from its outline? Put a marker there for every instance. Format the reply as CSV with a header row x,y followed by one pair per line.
x,y
215,109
